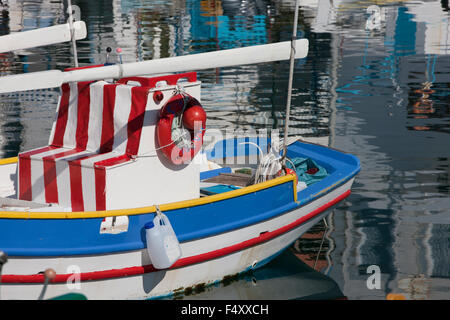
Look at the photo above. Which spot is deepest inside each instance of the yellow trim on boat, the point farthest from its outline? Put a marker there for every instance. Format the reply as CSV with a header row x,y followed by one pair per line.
x,y
8,160
150,209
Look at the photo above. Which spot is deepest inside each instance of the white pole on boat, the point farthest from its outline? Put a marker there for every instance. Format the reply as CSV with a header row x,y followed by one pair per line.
x,y
291,76
41,37
200,61
72,33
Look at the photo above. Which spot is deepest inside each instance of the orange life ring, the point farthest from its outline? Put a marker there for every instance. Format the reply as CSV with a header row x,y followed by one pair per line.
x,y
185,107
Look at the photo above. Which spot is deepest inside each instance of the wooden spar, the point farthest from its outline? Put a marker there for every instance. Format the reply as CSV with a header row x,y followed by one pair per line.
x,y
216,59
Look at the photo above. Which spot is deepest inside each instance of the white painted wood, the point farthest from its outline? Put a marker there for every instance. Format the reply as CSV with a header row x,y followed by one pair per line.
x,y
41,37
223,58
8,176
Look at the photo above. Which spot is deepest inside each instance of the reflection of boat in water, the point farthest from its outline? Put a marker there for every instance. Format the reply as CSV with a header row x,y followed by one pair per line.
x,y
285,277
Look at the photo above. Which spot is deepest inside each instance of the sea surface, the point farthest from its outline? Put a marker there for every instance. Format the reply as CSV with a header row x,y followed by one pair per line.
x,y
375,84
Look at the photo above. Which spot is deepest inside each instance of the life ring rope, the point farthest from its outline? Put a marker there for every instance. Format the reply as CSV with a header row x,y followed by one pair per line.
x,y
173,126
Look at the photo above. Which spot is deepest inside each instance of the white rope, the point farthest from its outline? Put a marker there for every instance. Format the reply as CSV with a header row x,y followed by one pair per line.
x,y
269,166
260,150
180,90
290,161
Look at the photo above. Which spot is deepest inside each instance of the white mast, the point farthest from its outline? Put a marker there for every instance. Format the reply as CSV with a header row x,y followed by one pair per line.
x,y
291,75
72,33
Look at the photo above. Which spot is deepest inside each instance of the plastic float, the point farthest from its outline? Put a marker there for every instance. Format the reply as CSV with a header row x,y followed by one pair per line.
x,y
127,192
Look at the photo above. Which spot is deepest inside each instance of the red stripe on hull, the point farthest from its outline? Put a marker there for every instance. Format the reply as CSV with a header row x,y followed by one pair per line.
x,y
138,270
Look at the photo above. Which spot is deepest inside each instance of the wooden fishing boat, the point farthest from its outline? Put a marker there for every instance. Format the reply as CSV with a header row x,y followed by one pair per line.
x,y
87,203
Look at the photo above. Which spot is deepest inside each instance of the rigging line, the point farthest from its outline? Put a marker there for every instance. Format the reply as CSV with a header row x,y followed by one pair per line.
x,y
291,75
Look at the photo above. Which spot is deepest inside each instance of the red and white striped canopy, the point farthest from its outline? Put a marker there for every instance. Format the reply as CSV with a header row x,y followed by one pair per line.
x,y
98,125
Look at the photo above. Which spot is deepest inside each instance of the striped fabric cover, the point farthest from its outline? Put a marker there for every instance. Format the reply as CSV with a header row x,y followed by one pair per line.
x,y
98,125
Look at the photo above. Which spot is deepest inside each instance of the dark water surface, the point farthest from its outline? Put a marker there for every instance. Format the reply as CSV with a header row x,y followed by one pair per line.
x,y
377,88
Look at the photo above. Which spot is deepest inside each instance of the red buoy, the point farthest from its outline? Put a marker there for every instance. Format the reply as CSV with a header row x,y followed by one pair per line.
x,y
193,114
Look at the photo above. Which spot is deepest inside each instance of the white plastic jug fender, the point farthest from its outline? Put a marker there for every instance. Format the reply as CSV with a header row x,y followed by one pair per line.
x,y
171,243
162,244
172,247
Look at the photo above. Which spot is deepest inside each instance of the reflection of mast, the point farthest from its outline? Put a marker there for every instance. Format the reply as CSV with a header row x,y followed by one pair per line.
x,y
334,48
423,106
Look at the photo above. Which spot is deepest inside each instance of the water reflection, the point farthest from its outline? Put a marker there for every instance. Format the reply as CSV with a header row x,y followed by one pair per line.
x,y
378,90
399,176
